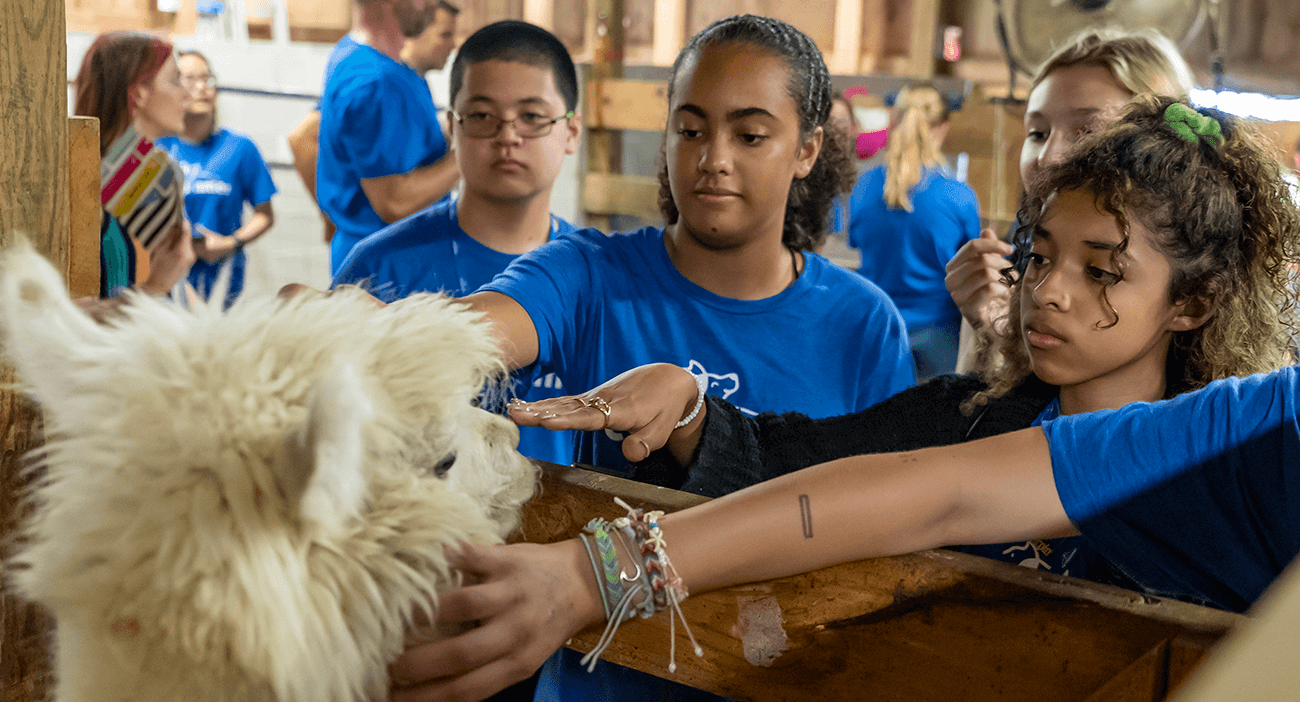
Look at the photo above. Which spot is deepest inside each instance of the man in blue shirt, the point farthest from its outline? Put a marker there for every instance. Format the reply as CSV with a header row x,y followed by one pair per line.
x,y
515,93
427,52
382,152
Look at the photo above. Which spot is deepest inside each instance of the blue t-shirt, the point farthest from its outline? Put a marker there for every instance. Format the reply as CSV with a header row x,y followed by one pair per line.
x,y
1070,555
377,119
1197,496
429,252
830,343
221,174
905,252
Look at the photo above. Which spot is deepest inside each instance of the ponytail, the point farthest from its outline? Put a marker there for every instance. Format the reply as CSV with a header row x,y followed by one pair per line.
x,y
912,146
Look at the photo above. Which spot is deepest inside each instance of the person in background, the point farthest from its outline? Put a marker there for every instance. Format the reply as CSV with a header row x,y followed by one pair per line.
x,y
382,153
842,118
1080,88
908,218
131,79
515,97
429,51
223,170
424,53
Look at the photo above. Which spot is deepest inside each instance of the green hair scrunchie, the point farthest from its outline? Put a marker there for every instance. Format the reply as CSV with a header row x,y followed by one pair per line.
x,y
1193,126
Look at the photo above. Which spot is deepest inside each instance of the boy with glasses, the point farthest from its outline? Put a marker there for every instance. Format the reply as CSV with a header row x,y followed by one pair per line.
x,y
514,95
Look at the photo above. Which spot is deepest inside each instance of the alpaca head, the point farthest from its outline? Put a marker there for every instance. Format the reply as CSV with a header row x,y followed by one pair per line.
x,y
250,504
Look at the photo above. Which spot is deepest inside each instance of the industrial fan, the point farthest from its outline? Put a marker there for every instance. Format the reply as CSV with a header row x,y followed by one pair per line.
x,y
1031,29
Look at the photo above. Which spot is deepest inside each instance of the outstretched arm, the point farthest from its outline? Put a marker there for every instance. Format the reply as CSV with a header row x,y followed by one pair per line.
x,y
533,598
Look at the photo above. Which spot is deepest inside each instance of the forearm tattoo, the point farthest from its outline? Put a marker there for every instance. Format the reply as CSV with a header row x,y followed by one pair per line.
x,y
805,515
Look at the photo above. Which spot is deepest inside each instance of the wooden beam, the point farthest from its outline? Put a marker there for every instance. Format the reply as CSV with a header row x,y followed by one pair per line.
x,y
847,52
604,146
626,104
669,31
84,211
540,13
610,194
872,46
34,183
923,31
935,625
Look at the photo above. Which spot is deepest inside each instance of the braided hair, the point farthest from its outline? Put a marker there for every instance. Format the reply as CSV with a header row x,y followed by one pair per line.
x,y
807,210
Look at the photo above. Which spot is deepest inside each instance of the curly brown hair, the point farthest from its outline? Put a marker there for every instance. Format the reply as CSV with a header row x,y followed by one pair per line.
x,y
1221,215
807,210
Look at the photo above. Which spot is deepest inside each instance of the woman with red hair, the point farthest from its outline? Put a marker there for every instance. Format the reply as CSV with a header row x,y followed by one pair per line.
x,y
131,80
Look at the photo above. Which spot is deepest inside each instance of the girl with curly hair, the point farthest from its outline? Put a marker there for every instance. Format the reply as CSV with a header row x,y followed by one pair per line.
x,y
1080,88
1152,264
747,179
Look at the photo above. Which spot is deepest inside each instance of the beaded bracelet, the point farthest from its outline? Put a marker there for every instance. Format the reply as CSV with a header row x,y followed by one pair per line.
x,y
702,385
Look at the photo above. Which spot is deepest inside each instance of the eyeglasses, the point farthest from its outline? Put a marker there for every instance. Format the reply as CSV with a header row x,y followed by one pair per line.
x,y
529,125
202,80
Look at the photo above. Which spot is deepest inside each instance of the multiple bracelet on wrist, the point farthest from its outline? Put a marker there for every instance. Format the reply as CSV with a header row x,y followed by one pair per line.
x,y
655,579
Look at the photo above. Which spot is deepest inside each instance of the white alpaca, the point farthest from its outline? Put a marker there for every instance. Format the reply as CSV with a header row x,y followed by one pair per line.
x,y
243,506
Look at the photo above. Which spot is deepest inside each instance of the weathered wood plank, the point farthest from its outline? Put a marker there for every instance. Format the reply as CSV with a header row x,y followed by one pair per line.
x,y
34,181
608,193
626,104
84,210
935,625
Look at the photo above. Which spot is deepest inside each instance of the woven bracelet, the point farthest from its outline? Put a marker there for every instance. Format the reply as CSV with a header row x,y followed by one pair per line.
x,y
609,572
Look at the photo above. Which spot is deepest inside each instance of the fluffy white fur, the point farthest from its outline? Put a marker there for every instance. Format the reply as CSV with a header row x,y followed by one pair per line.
x,y
241,505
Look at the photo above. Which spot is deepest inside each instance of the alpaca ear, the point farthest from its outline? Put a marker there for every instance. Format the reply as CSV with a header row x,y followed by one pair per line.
x,y
325,477
44,334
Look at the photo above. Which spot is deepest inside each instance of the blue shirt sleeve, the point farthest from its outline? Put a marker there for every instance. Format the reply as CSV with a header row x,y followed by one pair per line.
x,y
1196,496
551,283
378,114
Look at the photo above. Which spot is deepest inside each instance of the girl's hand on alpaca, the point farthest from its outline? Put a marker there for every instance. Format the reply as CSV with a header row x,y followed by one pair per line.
x,y
645,402
974,278
531,599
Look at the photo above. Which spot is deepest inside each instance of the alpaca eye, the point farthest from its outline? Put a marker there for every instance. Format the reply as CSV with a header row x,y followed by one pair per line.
x,y
441,467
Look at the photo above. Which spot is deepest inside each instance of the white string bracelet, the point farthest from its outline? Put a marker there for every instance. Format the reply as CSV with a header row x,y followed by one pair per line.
x,y
702,384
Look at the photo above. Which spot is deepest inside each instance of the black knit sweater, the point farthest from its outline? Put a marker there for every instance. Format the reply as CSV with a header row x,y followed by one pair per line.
x,y
736,450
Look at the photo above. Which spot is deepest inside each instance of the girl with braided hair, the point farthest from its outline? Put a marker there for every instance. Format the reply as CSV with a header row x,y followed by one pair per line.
x,y
1155,262
748,175
909,217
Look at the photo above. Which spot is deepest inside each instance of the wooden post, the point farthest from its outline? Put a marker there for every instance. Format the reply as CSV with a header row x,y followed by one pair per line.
x,y
847,52
924,28
84,210
669,31
872,48
604,146
34,203
540,13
